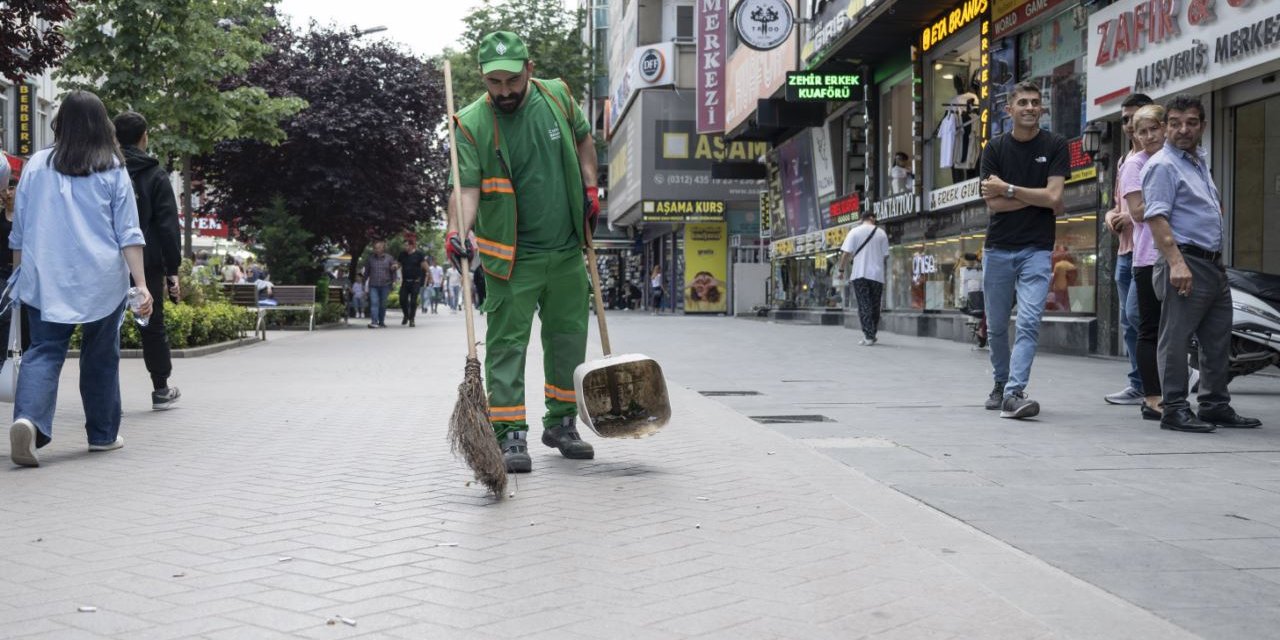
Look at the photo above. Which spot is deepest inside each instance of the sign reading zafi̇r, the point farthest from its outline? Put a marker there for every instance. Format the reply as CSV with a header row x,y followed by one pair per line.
x,y
25,112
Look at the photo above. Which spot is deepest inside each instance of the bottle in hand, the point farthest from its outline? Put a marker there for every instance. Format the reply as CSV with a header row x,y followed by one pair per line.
x,y
135,301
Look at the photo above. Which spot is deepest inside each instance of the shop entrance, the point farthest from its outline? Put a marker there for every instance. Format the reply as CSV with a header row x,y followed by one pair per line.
x,y
1255,182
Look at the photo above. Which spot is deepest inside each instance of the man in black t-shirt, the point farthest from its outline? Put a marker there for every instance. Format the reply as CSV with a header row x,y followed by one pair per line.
x,y
412,262
1023,172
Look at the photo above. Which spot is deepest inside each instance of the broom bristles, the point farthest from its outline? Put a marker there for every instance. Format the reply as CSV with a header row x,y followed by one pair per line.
x,y
471,434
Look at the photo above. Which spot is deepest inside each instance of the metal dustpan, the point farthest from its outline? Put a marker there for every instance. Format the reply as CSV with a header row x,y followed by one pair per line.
x,y
623,395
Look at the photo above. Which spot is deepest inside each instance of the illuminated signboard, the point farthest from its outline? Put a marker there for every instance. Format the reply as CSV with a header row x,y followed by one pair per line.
x,y
808,86
26,109
952,22
1082,166
683,210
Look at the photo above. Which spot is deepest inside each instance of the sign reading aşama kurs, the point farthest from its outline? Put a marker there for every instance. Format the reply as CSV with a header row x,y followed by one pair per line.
x,y
808,86
683,210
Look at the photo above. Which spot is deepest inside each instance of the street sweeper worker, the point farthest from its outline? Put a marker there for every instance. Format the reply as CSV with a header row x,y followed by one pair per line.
x,y
527,171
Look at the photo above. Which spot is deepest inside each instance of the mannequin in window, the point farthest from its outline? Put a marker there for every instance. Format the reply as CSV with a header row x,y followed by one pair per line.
x,y
901,179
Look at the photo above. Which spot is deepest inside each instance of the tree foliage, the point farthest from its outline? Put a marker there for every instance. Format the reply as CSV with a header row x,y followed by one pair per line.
x,y
31,38
365,160
287,248
552,34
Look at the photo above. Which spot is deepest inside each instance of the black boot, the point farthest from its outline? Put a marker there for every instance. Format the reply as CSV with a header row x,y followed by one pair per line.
x,y
565,438
515,452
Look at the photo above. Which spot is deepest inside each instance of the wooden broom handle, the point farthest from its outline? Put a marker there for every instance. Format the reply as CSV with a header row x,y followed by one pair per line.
x,y
457,198
599,301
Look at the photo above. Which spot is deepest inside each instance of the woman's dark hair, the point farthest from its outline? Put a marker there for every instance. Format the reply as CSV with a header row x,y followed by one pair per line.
x,y
84,140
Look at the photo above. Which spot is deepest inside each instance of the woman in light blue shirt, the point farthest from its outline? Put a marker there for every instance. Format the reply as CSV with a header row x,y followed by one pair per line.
x,y
77,241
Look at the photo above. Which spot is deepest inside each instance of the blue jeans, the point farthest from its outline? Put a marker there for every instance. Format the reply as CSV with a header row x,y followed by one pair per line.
x,y
378,304
1128,296
1026,273
99,375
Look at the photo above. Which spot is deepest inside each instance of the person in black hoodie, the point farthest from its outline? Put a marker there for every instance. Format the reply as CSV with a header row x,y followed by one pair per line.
x,y
158,217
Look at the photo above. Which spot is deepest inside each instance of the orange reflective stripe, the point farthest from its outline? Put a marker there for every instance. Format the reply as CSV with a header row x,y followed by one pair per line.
x,y
506,414
495,249
564,395
496,185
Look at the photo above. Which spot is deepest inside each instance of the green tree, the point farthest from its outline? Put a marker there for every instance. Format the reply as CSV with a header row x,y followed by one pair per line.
x,y
553,35
168,60
287,248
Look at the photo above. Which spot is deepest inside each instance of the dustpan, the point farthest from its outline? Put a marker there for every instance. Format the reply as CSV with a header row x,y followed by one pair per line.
x,y
622,395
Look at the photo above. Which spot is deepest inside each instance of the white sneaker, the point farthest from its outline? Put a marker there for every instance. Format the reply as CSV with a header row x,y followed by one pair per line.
x,y
22,443
108,447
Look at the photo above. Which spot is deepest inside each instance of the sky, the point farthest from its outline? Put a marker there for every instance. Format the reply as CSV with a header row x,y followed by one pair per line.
x,y
425,27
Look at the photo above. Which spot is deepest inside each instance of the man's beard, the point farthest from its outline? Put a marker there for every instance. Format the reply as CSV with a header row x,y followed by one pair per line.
x,y
508,104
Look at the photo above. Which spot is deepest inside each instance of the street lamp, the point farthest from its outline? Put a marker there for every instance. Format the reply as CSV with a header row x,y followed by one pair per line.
x,y
365,32
1091,139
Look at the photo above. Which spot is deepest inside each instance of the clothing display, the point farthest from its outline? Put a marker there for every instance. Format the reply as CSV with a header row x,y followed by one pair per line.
x,y
959,134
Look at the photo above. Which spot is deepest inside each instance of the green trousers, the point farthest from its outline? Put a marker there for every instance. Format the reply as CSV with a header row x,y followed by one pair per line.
x,y
554,284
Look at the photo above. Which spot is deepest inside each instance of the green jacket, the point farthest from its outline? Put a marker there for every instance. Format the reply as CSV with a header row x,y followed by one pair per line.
x,y
496,220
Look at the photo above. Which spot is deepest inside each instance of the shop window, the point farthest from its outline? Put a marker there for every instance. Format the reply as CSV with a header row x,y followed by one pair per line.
x,y
684,23
1075,260
895,138
953,114
806,282
1052,56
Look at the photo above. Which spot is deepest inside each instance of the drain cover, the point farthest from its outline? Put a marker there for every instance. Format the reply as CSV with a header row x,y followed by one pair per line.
x,y
797,419
729,393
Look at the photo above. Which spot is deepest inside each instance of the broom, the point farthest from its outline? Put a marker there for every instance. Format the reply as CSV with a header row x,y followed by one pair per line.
x,y
469,429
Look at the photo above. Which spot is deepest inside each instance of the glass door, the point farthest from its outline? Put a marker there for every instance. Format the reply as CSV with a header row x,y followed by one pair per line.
x,y
1255,227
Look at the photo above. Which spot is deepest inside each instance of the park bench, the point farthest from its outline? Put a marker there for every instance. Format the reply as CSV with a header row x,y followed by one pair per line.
x,y
288,297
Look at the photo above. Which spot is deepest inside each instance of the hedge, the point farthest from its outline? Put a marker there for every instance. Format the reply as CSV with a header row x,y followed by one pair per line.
x,y
188,326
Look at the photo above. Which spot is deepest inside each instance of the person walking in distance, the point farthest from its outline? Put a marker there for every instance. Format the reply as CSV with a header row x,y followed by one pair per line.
x,y
866,247
1182,211
655,288
1149,135
526,146
77,243
379,272
1120,224
436,293
158,218
453,280
412,262
1023,173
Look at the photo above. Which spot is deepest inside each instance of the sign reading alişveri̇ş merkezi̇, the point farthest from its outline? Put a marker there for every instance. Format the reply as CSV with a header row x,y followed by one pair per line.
x,y
811,86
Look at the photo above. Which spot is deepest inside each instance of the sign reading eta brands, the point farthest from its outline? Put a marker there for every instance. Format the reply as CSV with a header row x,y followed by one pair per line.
x,y
683,210
712,31
1009,16
24,113
809,86
1163,47
764,24
952,22
956,194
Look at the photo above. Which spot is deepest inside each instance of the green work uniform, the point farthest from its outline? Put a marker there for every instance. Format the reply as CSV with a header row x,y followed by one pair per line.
x,y
533,155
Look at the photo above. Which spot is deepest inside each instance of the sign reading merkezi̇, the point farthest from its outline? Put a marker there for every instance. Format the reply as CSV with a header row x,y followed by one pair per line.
x,y
1164,47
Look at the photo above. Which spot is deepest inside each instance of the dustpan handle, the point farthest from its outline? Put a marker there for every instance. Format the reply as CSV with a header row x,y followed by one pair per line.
x,y
599,301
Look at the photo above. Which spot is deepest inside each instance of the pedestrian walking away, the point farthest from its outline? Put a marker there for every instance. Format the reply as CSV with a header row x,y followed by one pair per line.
x,y
866,247
453,280
1119,222
158,219
1184,215
412,263
75,194
1149,135
1023,173
379,272
526,146
436,293
656,288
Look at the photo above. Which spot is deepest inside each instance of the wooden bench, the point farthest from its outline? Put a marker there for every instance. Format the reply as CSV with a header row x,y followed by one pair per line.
x,y
288,297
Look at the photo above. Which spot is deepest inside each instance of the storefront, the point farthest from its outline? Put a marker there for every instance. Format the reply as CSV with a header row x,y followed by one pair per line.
x,y
1227,54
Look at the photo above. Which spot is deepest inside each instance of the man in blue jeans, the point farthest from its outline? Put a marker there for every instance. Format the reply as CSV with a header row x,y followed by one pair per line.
x,y
380,271
1023,172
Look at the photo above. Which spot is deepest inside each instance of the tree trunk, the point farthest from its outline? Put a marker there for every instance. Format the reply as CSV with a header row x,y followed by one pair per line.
x,y
188,216
355,250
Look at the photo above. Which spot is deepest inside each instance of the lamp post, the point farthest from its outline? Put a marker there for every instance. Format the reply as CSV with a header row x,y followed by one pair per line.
x,y
365,32
1091,139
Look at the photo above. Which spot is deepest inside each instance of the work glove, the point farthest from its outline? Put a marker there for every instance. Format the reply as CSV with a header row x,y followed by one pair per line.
x,y
456,249
591,208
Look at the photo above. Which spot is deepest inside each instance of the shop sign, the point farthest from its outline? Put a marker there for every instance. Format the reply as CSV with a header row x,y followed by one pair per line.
x,y
952,22
1164,47
827,21
206,226
809,86
712,31
846,209
683,210
1011,14
956,194
764,24
899,206
1082,195
676,160
706,263
1082,166
650,66
783,248
754,75
24,116
799,198
835,236
766,214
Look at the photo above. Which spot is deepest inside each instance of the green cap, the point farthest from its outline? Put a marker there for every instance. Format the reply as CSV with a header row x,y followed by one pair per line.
x,y
502,51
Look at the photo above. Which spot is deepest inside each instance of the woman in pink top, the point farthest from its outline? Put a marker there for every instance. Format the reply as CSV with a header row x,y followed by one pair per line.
x,y
1148,132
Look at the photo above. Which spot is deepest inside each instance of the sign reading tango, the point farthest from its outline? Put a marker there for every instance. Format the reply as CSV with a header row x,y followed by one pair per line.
x,y
808,86
683,210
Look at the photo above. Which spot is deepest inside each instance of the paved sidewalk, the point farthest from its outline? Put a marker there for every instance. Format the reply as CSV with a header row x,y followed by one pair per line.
x,y
1184,525
308,478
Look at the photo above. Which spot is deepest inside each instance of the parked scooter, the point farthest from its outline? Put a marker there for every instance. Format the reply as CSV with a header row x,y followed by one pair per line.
x,y
973,305
1255,324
